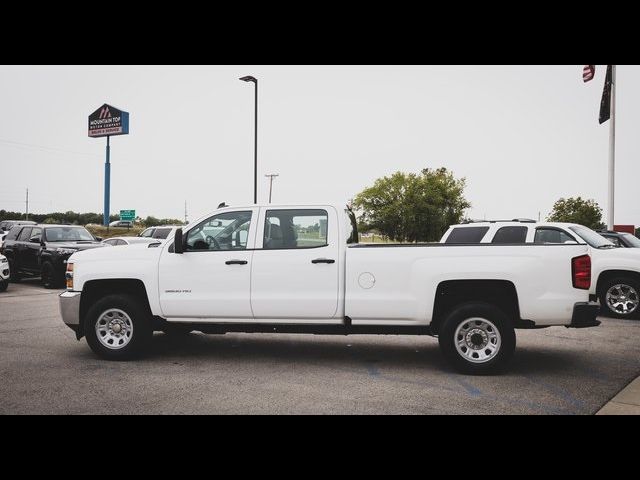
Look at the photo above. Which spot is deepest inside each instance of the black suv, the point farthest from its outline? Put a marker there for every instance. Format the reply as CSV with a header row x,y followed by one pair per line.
x,y
43,250
621,239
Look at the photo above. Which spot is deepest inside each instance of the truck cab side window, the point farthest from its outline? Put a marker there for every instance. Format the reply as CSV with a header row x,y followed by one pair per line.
x,y
295,229
225,231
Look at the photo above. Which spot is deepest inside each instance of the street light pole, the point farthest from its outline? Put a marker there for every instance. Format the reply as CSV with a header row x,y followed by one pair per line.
x,y
271,177
255,142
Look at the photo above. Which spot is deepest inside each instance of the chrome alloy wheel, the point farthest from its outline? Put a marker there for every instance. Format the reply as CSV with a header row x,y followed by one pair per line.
x,y
622,299
114,329
477,340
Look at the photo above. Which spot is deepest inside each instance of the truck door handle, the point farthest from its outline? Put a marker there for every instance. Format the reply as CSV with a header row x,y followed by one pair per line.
x,y
236,262
323,260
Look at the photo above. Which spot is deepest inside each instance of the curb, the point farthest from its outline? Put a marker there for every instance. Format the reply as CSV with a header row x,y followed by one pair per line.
x,y
627,402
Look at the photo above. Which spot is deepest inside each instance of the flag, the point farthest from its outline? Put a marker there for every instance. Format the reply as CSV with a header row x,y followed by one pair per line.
x,y
588,73
605,103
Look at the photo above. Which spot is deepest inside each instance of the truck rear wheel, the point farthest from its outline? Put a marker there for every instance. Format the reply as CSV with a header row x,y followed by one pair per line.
x,y
118,327
477,338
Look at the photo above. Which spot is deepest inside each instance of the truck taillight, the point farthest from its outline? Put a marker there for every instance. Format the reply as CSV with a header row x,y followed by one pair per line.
x,y
581,272
69,276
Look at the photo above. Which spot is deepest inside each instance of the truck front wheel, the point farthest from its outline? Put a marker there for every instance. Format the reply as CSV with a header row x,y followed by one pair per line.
x,y
620,298
477,338
118,327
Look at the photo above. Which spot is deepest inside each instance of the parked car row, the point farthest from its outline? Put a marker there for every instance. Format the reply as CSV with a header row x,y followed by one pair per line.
x,y
615,271
32,250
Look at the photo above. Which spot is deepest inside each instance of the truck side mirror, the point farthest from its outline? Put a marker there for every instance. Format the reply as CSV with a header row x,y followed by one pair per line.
x,y
178,247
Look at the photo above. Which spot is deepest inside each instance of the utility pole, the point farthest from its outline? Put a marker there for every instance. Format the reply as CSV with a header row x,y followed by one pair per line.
x,y
271,177
185,212
254,80
27,206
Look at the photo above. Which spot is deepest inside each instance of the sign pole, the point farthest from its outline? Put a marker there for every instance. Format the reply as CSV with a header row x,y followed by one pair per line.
x,y
612,151
107,185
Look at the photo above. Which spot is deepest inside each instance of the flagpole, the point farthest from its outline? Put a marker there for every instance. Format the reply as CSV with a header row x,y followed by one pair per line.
x,y
612,151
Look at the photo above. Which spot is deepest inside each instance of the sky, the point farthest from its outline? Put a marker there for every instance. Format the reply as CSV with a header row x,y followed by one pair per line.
x,y
522,136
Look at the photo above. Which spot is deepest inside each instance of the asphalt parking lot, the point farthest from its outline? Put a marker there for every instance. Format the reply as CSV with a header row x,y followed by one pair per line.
x,y
44,370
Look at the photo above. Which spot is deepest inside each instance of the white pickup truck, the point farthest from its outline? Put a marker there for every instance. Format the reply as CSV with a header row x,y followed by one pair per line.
x,y
299,269
615,271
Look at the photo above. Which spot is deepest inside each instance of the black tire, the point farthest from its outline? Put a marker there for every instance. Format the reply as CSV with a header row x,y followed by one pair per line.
x,y
48,276
3,285
497,357
174,330
139,317
14,275
630,283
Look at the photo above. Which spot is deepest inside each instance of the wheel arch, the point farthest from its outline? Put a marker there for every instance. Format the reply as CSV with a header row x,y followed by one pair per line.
x,y
607,275
93,290
453,293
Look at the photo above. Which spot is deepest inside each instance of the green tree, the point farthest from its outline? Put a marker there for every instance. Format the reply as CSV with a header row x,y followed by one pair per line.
x,y
412,207
638,232
577,210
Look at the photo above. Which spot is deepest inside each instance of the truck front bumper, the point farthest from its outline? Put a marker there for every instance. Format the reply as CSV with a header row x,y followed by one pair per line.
x,y
70,309
584,315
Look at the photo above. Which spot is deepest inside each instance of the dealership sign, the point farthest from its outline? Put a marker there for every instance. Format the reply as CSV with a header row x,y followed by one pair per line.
x,y
107,121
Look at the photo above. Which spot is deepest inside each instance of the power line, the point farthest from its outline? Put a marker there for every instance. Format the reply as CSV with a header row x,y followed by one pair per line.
x,y
11,143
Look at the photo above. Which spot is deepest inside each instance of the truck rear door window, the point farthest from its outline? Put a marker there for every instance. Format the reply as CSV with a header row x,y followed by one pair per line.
x,y
467,235
510,235
295,229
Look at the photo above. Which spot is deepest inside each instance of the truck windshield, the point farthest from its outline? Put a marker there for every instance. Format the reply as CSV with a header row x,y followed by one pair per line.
x,y
68,234
592,238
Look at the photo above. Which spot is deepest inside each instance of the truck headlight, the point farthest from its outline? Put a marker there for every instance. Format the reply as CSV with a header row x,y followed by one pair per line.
x,y
69,276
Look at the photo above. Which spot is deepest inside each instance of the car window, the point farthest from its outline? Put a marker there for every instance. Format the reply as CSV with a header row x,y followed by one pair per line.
x,y
24,235
13,233
632,240
614,240
35,235
467,235
225,231
552,235
510,235
295,229
147,233
161,233
111,241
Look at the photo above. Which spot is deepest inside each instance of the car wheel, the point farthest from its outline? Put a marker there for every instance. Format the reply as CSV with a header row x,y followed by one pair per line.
x,y
14,276
620,298
3,285
47,276
118,327
477,338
